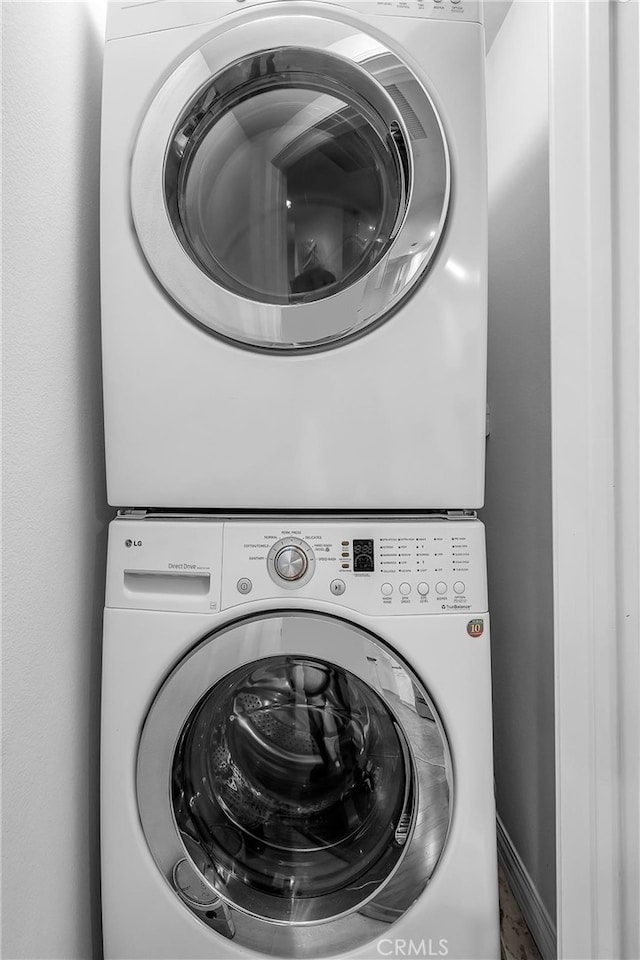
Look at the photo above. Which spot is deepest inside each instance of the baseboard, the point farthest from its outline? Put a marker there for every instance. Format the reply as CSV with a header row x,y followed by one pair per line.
x,y
533,910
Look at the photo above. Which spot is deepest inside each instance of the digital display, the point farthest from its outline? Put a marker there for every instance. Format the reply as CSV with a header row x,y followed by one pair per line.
x,y
363,556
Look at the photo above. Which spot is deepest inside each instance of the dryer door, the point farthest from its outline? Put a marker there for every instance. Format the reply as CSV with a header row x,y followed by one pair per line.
x,y
294,784
290,182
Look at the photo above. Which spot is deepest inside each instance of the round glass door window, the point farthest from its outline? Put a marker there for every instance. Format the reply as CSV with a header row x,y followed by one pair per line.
x,y
299,193
294,781
285,184
290,193
295,803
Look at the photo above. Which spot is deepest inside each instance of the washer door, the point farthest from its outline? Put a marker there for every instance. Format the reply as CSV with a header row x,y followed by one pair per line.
x,y
290,182
294,784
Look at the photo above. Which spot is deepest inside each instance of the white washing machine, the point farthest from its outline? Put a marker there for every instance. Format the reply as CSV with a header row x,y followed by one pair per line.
x,y
294,254
297,740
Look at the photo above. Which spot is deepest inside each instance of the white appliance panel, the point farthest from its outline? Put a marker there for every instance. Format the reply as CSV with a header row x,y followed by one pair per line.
x,y
393,419
429,567
142,915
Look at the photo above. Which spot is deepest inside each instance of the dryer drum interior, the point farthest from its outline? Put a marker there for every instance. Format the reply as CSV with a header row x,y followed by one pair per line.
x,y
283,182
301,792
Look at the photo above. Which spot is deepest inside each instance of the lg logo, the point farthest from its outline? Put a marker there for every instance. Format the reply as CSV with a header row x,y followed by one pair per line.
x,y
133,543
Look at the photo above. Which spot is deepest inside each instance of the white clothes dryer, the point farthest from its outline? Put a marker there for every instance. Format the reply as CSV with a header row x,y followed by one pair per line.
x,y
294,254
297,740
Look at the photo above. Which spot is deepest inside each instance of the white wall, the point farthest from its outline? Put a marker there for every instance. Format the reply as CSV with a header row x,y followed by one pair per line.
x,y
54,496
518,511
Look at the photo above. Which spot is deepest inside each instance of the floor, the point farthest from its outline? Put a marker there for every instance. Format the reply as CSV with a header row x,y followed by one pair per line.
x,y
516,943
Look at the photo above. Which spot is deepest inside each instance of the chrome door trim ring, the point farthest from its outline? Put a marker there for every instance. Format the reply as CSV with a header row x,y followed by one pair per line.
x,y
165,720
319,324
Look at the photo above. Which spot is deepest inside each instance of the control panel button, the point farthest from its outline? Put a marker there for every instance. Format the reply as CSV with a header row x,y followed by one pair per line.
x,y
458,587
441,588
291,563
405,589
244,585
386,589
337,587
423,589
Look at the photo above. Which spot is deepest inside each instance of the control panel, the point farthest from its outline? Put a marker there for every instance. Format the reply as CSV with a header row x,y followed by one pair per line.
x,y
378,567
433,9
145,16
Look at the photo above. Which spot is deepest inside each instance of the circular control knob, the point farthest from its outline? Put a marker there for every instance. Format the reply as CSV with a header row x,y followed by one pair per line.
x,y
291,563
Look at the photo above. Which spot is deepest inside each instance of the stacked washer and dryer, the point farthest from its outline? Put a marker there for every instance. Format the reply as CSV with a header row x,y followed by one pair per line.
x,y
296,712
